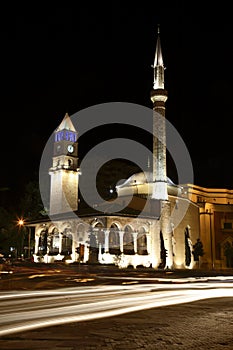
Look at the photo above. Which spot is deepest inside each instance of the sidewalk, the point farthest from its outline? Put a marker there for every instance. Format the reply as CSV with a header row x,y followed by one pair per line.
x,y
29,276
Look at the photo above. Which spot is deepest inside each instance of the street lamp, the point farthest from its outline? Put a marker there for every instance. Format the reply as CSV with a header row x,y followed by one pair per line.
x,y
21,223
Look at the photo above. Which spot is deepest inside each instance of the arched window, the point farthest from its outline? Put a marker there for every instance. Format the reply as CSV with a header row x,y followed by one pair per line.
x,y
80,232
114,240
142,242
98,228
42,249
67,241
53,242
101,238
128,244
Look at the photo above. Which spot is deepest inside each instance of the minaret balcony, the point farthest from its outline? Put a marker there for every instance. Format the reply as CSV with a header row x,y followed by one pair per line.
x,y
158,95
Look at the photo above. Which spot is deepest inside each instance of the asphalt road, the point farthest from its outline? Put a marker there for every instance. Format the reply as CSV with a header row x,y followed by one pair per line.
x,y
205,324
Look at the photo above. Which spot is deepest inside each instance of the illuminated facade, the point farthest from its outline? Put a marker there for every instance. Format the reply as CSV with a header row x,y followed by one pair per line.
x,y
125,238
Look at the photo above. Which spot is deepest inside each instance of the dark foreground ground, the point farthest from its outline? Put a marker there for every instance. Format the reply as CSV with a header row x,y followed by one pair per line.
x,y
31,276
206,324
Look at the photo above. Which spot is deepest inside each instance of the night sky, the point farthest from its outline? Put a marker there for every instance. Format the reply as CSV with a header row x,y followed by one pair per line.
x,y
65,58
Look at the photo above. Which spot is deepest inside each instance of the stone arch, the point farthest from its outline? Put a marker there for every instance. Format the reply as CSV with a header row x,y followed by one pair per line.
x,y
101,238
42,242
53,241
65,226
67,241
116,224
128,227
143,229
114,239
97,232
81,232
96,223
142,241
128,240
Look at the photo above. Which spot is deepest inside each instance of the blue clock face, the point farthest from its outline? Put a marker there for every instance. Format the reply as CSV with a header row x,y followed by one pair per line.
x,y
70,149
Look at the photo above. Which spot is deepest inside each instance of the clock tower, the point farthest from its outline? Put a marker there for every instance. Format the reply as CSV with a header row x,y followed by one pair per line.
x,y
64,171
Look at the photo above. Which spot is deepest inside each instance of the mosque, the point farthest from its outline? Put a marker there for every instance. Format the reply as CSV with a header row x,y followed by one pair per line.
x,y
162,225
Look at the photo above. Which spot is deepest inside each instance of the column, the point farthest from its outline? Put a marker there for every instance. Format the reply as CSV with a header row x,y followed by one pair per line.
x,y
36,243
106,241
135,243
167,232
121,234
60,242
148,242
155,244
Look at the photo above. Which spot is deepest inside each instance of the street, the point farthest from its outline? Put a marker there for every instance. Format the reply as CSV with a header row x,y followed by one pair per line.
x,y
137,312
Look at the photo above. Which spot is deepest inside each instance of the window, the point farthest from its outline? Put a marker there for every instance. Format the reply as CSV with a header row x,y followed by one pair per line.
x,y
227,225
142,242
67,241
114,241
128,244
59,136
43,242
53,242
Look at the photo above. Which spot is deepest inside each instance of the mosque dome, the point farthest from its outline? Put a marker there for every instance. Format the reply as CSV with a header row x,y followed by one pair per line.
x,y
141,183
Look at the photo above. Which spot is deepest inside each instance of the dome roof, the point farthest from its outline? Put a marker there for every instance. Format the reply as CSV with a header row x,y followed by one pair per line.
x,y
140,179
142,184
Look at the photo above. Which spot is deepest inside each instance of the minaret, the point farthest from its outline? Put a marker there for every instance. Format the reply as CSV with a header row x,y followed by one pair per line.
x,y
159,97
64,171
159,192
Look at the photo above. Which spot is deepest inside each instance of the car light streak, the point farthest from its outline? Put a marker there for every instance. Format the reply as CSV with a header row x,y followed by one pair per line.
x,y
31,310
6,272
60,291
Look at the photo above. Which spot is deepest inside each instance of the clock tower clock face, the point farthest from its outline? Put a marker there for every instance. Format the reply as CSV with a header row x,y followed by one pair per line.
x,y
70,148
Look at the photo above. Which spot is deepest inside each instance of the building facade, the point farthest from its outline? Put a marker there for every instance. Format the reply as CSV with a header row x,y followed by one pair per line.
x,y
160,238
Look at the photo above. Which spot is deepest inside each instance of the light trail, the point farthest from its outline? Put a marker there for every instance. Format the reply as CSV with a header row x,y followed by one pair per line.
x,y
23,311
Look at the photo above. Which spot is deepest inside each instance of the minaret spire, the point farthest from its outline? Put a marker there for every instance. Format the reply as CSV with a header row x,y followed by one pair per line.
x,y
158,65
